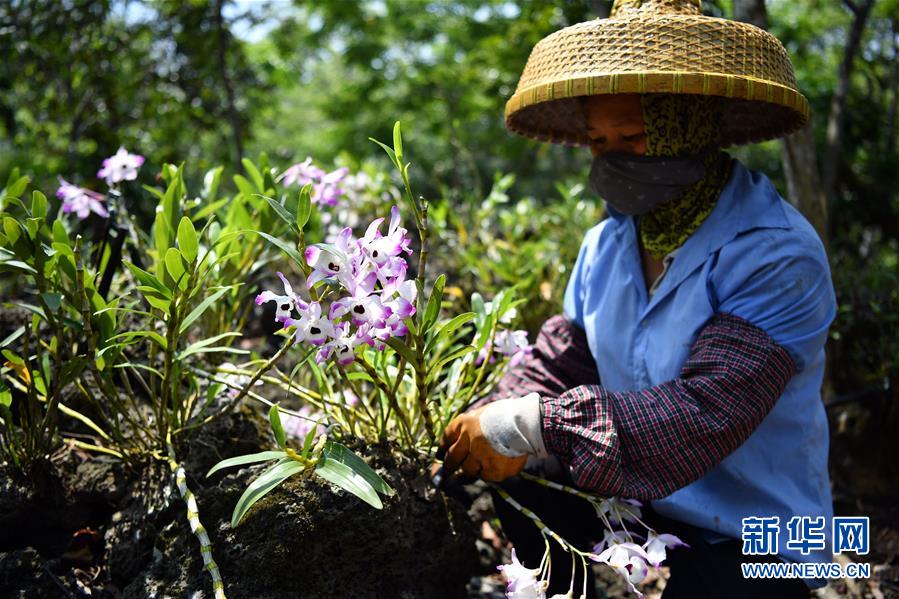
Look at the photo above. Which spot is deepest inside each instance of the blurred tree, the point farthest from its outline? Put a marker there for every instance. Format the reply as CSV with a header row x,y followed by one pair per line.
x,y
81,77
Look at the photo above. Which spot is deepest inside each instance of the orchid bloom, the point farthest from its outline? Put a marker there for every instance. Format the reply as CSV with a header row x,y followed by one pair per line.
x,y
522,582
327,191
80,201
363,306
629,560
312,326
656,545
379,248
342,346
628,508
513,344
402,304
122,166
327,263
284,304
302,173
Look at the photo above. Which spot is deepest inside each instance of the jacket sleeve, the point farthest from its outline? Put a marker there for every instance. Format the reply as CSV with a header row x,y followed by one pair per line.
x,y
648,443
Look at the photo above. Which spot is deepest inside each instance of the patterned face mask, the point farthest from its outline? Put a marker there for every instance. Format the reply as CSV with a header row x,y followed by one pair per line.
x,y
634,185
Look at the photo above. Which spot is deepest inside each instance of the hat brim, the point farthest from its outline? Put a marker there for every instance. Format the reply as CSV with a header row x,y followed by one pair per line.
x,y
677,54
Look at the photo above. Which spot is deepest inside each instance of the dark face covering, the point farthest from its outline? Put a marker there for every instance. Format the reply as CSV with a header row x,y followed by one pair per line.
x,y
634,185
675,186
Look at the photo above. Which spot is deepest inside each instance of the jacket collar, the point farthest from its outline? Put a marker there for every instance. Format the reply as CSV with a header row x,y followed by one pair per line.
x,y
748,201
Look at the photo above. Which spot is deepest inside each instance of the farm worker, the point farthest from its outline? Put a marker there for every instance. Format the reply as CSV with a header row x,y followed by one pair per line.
x,y
686,369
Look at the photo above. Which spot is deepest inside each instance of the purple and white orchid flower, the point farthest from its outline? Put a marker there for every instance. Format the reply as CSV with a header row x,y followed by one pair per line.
x,y
284,304
629,560
522,583
122,166
312,326
80,201
301,173
656,545
327,190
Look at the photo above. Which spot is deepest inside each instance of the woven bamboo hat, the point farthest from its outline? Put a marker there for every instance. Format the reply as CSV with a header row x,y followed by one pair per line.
x,y
658,46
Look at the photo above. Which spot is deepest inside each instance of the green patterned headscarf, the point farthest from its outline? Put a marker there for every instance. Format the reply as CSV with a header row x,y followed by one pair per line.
x,y
680,125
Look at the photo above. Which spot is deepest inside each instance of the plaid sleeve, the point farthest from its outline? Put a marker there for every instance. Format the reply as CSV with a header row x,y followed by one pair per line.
x,y
646,444
559,360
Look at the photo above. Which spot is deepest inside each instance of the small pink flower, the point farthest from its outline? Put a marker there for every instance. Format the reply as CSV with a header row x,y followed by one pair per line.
x,y
122,166
80,201
522,582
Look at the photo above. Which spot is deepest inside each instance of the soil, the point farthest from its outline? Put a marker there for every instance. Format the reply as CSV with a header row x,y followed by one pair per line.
x,y
91,527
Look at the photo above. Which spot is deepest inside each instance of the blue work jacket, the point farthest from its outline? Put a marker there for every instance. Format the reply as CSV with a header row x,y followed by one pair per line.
x,y
754,257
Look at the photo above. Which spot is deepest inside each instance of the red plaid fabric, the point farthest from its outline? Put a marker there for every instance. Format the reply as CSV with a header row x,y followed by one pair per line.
x,y
646,444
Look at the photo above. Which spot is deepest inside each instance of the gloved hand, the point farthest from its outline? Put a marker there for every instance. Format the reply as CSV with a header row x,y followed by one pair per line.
x,y
494,442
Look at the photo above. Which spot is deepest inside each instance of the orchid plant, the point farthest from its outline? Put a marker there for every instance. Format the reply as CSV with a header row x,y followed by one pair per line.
x,y
619,548
380,362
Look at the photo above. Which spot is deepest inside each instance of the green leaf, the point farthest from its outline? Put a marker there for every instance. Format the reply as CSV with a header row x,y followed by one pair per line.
x,y
398,142
187,240
202,307
12,336
148,280
436,370
19,265
277,428
254,173
162,235
174,264
389,151
5,396
346,478
304,206
12,229
203,346
38,204
284,247
309,441
402,349
252,458
130,335
60,235
15,188
244,185
211,183
447,328
53,300
336,451
280,210
267,481
433,308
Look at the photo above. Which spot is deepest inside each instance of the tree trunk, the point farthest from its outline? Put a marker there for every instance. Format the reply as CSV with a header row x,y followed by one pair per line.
x,y
837,117
890,139
800,158
804,182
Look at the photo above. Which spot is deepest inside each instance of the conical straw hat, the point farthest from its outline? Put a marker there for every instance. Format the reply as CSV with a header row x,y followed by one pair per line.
x,y
658,46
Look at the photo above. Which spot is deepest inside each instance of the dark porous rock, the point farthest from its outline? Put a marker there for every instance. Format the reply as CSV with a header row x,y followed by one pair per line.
x,y
23,575
152,504
308,539
238,433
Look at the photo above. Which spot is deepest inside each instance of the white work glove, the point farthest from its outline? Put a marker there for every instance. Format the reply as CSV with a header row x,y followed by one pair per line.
x,y
512,426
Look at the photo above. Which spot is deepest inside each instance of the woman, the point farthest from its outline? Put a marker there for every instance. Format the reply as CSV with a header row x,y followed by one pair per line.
x,y
687,367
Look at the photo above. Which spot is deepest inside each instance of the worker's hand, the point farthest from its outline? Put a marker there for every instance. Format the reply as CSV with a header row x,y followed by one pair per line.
x,y
465,445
